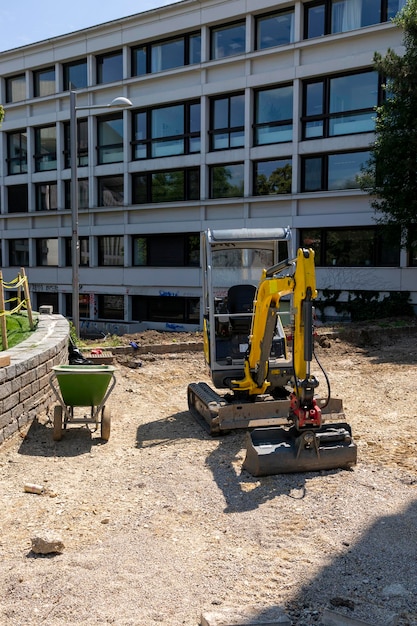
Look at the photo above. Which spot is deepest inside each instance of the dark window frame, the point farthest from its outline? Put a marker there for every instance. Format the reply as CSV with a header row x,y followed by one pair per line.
x,y
102,308
102,254
157,309
326,116
229,130
148,47
37,84
149,142
40,241
24,253
51,194
324,157
83,183
269,15
84,251
116,148
185,245
21,161
322,249
255,175
215,166
82,143
224,27
149,195
39,156
20,192
115,178
327,21
66,74
10,80
275,124
100,69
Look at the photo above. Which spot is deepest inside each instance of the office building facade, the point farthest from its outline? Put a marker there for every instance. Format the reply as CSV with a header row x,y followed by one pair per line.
x,y
246,113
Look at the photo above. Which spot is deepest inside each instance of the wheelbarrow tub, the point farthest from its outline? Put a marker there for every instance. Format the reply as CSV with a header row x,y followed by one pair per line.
x,y
83,385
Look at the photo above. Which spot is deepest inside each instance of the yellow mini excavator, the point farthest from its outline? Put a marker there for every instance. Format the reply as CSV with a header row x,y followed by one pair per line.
x,y
252,289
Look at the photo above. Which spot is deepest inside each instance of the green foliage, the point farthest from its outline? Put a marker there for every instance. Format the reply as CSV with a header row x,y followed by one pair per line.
x,y
278,182
390,176
1,114
18,329
364,305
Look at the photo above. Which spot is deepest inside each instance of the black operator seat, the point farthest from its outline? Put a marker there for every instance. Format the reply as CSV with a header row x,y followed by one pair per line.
x,y
240,300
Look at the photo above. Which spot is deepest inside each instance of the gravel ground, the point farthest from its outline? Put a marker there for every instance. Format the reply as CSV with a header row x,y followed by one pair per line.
x,y
162,525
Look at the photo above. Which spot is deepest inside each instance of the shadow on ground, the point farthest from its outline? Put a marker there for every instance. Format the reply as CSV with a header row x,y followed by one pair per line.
x,y
374,580
76,440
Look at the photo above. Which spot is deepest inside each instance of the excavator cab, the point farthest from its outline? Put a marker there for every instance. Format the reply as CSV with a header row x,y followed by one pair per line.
x,y
233,261
253,288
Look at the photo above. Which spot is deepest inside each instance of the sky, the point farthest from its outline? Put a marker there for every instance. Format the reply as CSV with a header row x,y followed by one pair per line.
x,y
26,21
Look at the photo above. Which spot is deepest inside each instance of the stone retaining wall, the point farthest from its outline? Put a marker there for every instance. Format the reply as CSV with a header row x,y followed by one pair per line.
x,y
24,384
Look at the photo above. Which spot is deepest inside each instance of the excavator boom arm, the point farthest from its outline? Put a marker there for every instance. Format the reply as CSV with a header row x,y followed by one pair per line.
x,y
271,289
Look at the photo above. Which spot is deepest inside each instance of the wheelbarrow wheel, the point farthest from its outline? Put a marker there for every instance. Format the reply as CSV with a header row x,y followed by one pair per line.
x,y
57,434
105,423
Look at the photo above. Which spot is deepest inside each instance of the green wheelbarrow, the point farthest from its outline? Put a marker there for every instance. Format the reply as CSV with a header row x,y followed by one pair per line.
x,y
82,386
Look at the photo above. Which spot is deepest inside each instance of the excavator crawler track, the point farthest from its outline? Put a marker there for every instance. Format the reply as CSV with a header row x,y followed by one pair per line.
x,y
204,405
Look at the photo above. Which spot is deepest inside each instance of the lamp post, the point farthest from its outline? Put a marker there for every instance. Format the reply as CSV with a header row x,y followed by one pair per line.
x,y
117,103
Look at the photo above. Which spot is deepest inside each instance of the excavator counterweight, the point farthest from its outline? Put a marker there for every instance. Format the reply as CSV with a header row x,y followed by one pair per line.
x,y
253,288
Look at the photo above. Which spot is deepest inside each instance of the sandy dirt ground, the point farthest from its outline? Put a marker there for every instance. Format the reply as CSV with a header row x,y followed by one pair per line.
x,y
161,525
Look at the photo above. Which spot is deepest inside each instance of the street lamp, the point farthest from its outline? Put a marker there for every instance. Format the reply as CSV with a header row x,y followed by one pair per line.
x,y
117,103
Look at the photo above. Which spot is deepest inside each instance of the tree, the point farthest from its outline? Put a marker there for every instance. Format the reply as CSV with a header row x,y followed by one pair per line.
x,y
1,114
390,175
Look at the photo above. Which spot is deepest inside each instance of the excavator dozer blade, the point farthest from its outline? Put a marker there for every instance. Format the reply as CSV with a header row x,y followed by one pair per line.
x,y
278,450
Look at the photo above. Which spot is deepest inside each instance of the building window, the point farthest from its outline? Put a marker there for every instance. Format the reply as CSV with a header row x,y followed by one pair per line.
x,y
19,252
173,250
226,181
353,247
340,105
168,309
274,29
228,40
83,305
329,172
110,139
75,75
167,131
111,251
167,54
16,88
84,244
336,16
227,122
47,252
82,143
110,191
110,307
166,186
45,148
83,196
109,67
46,196
272,177
48,299
44,82
17,199
273,115
17,159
